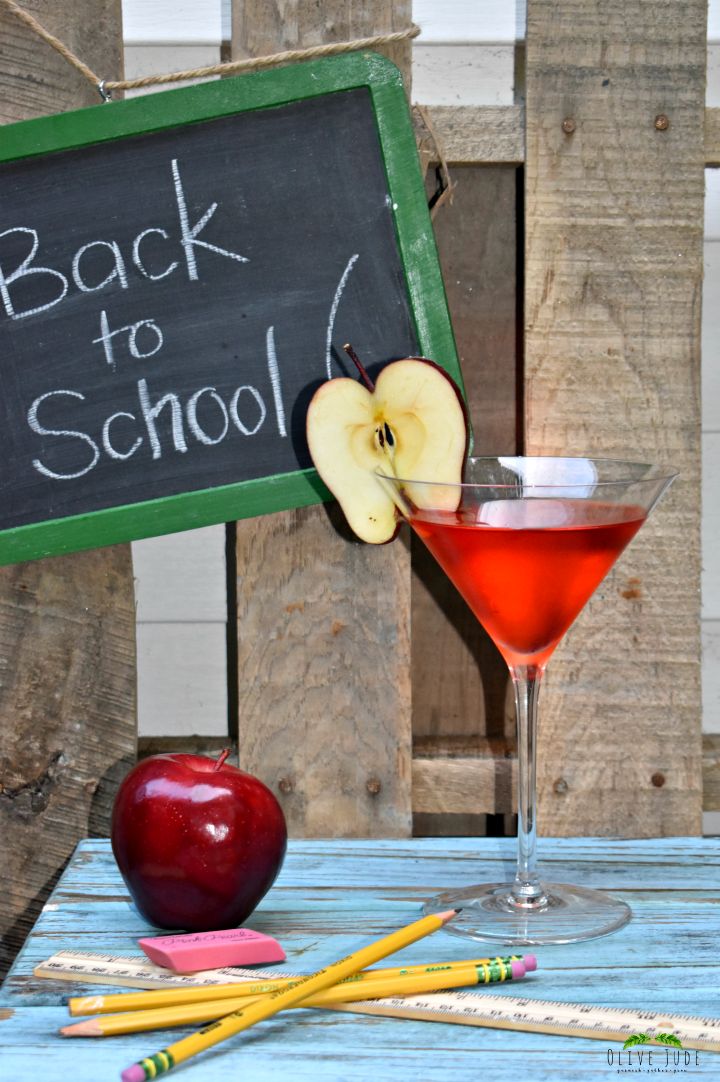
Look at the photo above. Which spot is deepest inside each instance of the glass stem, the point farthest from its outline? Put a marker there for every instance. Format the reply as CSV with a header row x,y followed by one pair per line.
x,y
527,890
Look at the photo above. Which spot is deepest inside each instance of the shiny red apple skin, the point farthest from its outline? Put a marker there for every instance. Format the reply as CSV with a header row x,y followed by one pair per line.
x,y
198,844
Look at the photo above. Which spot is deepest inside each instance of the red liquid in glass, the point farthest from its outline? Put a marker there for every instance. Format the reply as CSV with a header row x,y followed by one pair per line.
x,y
526,567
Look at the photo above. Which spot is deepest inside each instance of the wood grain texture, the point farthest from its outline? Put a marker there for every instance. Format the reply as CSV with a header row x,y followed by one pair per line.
x,y
475,133
210,746
459,679
334,896
67,704
261,27
36,80
454,777
614,217
712,136
323,621
67,631
483,782
324,684
711,772
483,779
496,133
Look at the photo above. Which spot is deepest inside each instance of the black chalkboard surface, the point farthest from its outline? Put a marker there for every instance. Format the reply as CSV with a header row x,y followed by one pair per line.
x,y
178,274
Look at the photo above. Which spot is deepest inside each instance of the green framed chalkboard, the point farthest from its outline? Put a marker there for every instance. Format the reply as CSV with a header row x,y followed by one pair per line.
x,y
178,273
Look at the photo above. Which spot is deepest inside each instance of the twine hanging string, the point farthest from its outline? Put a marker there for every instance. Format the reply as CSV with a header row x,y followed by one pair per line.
x,y
232,67
446,185
52,41
105,87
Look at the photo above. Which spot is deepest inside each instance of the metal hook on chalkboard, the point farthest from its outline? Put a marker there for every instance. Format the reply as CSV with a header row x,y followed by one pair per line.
x,y
104,94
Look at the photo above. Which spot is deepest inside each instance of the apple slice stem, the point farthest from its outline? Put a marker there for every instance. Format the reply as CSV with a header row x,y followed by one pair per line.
x,y
221,758
360,367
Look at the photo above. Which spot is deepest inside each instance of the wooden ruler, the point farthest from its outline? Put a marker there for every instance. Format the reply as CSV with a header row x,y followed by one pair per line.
x,y
138,972
463,1008
548,1016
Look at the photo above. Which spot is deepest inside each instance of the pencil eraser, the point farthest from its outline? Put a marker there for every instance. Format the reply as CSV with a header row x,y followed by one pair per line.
x,y
190,952
530,962
518,970
136,1073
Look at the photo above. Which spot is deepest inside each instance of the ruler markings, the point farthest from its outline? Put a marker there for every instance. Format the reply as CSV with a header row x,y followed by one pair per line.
x,y
464,1008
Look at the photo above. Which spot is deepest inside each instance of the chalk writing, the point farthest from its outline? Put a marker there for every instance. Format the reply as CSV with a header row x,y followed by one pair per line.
x,y
169,301
169,404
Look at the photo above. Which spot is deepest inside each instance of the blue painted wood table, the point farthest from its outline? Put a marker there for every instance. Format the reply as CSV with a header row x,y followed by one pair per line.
x,y
333,897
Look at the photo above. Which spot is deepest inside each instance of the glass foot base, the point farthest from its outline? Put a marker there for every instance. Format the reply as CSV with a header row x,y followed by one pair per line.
x,y
565,914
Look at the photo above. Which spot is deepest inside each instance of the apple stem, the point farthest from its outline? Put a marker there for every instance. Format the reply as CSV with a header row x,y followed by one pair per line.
x,y
221,758
360,367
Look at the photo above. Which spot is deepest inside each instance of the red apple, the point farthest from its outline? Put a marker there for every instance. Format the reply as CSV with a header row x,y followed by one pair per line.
x,y
198,841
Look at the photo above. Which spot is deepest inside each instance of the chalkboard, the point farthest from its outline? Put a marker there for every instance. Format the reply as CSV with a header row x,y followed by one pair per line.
x,y
178,274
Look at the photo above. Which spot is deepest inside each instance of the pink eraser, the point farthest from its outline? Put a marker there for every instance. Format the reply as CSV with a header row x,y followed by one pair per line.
x,y
530,962
212,950
518,970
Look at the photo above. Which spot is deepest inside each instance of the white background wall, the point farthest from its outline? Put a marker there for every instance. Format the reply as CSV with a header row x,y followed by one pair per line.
x,y
465,55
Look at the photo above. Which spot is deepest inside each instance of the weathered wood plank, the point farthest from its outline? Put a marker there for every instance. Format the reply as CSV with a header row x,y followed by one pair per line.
x,y
614,218
387,864
324,673
323,622
476,134
496,133
483,779
669,883
712,136
67,699
36,80
459,679
260,27
468,786
711,772
185,745
475,777
342,1047
67,631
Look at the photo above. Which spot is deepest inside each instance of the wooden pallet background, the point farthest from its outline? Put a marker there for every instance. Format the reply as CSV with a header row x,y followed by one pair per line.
x,y
573,259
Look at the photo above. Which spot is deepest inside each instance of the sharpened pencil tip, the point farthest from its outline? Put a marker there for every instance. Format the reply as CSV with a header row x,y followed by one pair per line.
x,y
447,915
88,1028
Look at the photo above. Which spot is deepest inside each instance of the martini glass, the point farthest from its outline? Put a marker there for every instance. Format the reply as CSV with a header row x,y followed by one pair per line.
x,y
526,541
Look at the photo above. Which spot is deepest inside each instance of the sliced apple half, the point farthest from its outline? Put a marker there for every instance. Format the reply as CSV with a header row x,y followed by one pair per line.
x,y
411,425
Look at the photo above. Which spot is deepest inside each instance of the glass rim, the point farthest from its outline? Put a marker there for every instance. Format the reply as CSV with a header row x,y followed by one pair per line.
x,y
661,474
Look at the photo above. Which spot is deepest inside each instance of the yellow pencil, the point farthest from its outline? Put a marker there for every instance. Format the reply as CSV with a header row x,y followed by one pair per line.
x,y
189,1013
172,997
220,1030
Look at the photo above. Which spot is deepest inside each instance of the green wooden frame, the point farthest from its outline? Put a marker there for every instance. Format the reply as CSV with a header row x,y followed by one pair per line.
x,y
174,108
